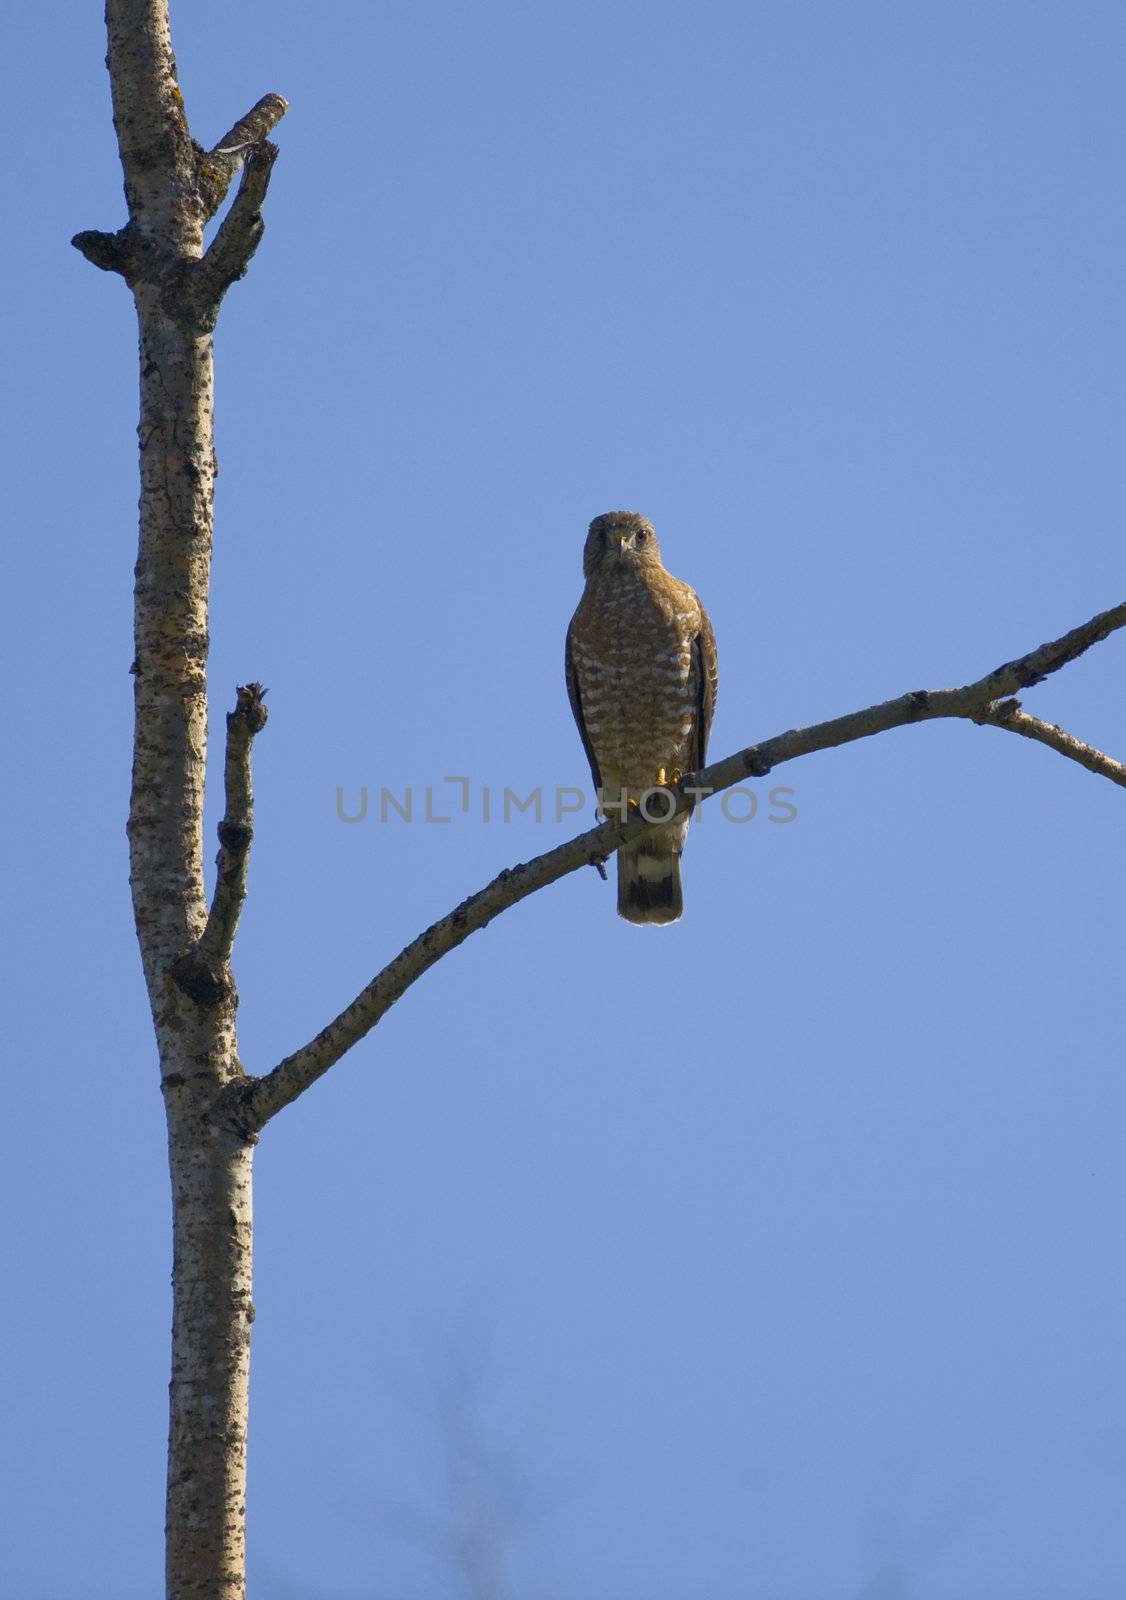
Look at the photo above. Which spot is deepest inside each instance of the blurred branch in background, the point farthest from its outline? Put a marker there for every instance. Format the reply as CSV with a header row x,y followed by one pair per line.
x,y
481,1494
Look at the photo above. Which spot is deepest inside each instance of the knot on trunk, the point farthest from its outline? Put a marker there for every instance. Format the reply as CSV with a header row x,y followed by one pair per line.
x,y
200,980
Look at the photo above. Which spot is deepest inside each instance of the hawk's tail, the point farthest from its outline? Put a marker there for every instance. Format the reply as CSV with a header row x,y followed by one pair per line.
x,y
649,881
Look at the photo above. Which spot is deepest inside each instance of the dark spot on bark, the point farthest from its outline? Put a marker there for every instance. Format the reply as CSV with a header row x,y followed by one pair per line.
x,y
199,981
235,836
231,1108
1027,678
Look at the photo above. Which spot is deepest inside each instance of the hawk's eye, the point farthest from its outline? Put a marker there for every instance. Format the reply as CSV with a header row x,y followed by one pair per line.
x,y
642,535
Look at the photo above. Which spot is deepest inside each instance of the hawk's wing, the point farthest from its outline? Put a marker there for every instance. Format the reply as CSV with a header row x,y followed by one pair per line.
x,y
706,667
577,708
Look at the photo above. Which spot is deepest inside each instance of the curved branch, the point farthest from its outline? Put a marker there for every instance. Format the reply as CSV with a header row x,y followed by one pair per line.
x,y
921,705
253,1101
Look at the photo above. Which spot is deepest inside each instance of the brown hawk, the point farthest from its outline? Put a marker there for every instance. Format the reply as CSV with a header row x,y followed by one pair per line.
x,y
642,677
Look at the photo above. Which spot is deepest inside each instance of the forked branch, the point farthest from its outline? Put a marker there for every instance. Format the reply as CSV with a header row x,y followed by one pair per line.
x,y
253,1101
140,250
240,232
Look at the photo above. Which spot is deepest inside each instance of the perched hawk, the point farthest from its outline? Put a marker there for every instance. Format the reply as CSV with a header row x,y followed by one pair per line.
x,y
642,676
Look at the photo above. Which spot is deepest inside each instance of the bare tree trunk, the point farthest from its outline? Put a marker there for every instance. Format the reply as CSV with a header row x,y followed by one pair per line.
x,y
206,1508
211,1168
172,186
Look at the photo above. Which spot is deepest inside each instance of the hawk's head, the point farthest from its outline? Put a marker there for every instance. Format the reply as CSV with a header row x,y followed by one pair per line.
x,y
620,540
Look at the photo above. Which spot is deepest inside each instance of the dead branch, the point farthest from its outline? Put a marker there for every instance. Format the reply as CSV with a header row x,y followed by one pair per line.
x,y
255,1100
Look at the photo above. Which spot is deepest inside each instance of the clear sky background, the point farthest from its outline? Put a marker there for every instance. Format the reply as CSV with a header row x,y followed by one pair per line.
x,y
773,1256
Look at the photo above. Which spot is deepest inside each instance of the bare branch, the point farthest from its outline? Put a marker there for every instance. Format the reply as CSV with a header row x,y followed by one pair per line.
x,y
236,829
921,705
1007,714
239,235
220,164
253,1101
204,971
260,120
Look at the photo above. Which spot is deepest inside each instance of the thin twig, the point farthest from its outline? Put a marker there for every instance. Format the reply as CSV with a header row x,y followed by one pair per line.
x,y
255,1100
236,829
1007,714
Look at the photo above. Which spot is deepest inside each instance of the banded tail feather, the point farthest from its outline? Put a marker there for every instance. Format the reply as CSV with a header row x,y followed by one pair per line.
x,y
649,882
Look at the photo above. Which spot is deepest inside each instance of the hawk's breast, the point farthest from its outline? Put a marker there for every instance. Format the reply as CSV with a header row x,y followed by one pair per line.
x,y
632,648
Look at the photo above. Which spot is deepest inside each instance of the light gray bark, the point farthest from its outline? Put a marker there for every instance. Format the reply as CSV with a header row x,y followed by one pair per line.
x,y
172,186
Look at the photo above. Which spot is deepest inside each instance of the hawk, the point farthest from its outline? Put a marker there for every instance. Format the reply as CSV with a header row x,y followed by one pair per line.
x,y
642,677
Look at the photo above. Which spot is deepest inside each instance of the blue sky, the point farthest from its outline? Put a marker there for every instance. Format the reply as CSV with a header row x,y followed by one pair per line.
x,y
771,1256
